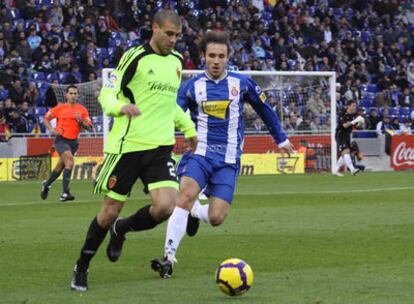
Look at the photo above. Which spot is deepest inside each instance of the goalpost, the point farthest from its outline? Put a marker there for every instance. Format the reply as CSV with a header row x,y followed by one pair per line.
x,y
284,89
288,92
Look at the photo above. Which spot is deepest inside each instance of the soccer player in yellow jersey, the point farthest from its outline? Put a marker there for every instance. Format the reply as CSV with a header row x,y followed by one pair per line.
x,y
142,98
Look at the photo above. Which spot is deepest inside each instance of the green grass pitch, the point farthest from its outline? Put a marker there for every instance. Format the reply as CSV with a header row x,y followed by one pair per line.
x,y
309,239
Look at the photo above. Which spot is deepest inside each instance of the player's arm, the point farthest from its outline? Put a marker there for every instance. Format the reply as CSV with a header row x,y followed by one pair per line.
x,y
257,98
182,120
84,120
119,80
349,124
51,114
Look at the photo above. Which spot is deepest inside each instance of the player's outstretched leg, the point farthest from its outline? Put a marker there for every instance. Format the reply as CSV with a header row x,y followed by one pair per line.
x,y
163,267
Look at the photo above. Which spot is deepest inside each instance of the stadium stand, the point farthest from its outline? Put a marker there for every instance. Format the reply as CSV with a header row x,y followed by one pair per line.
x,y
368,43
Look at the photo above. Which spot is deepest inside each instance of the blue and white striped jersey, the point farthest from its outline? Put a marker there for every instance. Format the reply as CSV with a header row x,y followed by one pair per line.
x,y
216,107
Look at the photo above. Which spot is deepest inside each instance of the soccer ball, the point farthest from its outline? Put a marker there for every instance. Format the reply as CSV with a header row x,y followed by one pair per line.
x,y
234,277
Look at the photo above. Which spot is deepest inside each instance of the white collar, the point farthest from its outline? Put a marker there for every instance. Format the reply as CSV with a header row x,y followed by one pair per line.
x,y
216,80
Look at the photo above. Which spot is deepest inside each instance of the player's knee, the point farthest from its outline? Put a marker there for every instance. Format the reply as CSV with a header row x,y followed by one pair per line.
x,y
107,216
69,163
162,211
185,199
217,219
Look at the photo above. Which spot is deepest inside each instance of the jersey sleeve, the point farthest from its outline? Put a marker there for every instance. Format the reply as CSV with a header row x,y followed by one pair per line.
x,y
52,113
184,123
118,81
257,98
85,117
184,97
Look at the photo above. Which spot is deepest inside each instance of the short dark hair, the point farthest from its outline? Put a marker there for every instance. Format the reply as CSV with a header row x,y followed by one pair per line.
x,y
351,101
166,14
215,37
71,86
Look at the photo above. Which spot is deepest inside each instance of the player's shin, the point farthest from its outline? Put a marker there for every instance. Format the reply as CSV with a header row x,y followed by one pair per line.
x,y
176,227
349,163
94,237
66,180
141,220
52,177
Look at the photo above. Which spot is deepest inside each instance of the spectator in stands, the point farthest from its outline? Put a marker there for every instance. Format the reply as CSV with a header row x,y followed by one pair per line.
x,y
405,127
315,103
373,119
383,99
24,50
25,112
8,106
394,125
383,125
31,94
5,132
34,39
16,92
287,125
406,99
305,125
51,99
258,125
410,73
16,122
188,62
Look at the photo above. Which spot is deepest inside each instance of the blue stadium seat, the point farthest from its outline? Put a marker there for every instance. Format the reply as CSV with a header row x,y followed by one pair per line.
x,y
52,76
38,76
393,111
363,87
338,12
405,111
364,134
365,102
401,118
62,76
373,88
15,14
4,94
40,111
101,3
101,53
366,36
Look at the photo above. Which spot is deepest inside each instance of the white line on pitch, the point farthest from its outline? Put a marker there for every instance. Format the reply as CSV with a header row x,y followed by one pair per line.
x,y
330,191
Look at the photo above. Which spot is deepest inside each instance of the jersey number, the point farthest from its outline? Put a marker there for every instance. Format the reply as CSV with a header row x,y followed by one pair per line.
x,y
171,168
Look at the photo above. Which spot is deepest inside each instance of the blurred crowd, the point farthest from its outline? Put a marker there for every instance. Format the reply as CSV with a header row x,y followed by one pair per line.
x,y
369,44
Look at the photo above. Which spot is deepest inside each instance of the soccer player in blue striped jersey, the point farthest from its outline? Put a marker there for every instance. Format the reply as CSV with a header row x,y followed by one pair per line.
x,y
215,100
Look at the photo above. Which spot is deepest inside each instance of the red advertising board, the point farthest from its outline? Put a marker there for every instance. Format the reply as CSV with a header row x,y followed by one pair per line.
x,y
402,152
